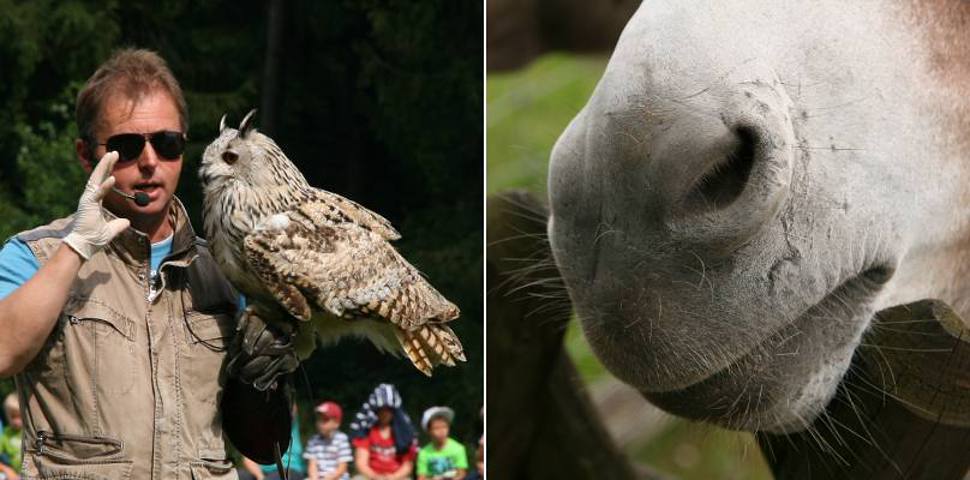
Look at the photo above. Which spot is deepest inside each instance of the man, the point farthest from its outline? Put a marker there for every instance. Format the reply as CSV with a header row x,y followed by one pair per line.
x,y
116,318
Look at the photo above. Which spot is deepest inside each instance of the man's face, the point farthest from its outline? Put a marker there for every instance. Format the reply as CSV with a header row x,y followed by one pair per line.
x,y
150,172
438,429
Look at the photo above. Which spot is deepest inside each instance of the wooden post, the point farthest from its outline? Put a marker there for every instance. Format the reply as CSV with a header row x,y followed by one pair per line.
x,y
269,102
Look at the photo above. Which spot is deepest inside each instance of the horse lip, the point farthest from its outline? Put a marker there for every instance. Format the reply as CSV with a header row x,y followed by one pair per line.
x,y
879,274
870,279
862,288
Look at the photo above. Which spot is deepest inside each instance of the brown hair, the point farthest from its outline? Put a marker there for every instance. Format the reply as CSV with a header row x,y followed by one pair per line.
x,y
132,73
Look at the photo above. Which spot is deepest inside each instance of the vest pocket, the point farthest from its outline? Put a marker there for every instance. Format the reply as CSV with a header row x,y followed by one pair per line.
x,y
210,330
207,339
56,455
100,343
212,464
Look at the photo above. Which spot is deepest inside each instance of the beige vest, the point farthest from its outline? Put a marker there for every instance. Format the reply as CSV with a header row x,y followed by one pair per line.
x,y
128,383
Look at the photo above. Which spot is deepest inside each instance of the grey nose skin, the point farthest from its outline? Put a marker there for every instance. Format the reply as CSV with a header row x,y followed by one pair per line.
x,y
709,168
742,177
650,199
704,171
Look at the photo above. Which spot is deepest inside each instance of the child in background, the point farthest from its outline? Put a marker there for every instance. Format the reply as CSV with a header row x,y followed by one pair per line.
x,y
478,473
328,452
11,438
5,471
383,437
443,457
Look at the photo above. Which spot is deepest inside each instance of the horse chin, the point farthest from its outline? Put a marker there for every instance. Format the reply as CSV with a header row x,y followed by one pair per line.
x,y
786,381
766,390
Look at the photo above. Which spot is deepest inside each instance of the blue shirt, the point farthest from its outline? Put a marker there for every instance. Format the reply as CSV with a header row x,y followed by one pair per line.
x,y
160,250
18,263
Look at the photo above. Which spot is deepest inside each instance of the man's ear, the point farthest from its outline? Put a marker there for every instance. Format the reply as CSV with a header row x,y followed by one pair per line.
x,y
84,155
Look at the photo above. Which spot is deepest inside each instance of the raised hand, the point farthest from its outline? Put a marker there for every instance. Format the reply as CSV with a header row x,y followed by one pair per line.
x,y
91,232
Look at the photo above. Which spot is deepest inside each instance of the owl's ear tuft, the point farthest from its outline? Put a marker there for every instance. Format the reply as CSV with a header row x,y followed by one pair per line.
x,y
222,123
247,123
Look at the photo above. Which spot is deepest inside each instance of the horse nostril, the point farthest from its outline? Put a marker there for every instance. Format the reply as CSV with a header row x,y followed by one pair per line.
x,y
230,157
879,274
724,183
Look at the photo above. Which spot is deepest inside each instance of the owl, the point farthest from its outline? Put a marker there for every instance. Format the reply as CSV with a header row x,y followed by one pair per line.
x,y
319,257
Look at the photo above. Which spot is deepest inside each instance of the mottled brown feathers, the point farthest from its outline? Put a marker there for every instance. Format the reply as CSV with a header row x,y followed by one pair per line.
x,y
358,214
322,258
342,268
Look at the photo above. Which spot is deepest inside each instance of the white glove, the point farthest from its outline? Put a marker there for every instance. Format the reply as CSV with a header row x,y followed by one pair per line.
x,y
91,232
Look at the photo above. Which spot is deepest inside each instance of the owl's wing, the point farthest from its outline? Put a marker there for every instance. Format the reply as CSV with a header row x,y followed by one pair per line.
x,y
344,209
309,262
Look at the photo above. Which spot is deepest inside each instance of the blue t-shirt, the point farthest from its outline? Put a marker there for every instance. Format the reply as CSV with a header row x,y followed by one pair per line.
x,y
18,263
160,250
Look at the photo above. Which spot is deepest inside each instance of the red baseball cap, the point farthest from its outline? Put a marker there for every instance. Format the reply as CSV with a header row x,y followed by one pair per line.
x,y
330,410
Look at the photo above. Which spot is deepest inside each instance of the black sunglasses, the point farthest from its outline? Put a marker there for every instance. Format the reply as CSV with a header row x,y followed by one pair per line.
x,y
168,144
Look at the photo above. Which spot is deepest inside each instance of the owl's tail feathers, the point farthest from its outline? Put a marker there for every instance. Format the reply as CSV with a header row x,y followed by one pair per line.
x,y
431,345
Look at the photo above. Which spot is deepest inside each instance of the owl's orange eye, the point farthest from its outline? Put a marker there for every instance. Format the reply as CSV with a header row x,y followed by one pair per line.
x,y
230,157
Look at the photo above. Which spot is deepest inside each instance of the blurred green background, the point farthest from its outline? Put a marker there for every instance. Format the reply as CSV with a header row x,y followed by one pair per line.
x,y
526,112
378,100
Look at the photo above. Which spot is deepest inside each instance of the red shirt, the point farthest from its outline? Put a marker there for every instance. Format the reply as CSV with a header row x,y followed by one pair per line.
x,y
383,455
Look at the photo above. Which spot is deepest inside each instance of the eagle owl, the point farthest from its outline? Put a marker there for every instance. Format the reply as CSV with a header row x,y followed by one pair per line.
x,y
320,257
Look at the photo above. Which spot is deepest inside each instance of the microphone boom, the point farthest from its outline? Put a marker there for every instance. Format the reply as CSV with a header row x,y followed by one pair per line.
x,y
140,198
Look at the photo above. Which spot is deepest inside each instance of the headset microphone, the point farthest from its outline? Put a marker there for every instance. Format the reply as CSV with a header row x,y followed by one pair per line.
x,y
140,198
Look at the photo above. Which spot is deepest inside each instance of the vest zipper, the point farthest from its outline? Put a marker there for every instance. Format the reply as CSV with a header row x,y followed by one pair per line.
x,y
41,438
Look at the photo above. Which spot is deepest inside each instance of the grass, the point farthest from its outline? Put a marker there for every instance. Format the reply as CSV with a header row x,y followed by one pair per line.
x,y
526,112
